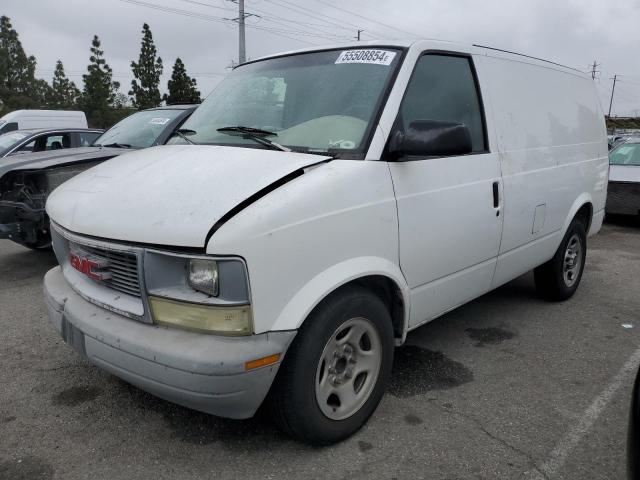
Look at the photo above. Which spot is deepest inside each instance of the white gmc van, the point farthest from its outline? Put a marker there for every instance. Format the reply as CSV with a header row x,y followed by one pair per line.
x,y
318,206
30,119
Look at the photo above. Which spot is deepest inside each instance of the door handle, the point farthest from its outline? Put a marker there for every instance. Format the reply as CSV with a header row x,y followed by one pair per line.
x,y
496,195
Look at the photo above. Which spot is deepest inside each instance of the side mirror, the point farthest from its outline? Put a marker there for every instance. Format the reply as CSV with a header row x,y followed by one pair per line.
x,y
431,138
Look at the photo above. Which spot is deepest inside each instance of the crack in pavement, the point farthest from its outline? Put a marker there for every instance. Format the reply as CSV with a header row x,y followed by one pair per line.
x,y
502,441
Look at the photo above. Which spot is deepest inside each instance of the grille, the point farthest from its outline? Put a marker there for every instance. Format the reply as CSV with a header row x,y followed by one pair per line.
x,y
623,198
123,267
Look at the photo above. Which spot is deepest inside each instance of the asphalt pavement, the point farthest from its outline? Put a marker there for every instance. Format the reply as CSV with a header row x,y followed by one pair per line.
x,y
507,386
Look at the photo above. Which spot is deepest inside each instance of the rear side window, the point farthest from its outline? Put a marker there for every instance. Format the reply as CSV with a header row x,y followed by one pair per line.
x,y
87,138
58,142
443,88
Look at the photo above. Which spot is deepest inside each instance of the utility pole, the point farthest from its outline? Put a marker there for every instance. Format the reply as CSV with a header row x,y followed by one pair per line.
x,y
242,50
593,70
358,36
615,78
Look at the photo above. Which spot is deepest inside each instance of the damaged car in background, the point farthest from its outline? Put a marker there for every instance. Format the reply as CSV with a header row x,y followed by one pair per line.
x,y
27,180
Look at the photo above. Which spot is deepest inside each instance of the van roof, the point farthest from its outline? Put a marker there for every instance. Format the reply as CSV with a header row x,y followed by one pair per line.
x,y
427,43
57,113
31,131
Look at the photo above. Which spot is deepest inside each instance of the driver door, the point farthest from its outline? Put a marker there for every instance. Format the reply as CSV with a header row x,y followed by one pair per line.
x,y
449,208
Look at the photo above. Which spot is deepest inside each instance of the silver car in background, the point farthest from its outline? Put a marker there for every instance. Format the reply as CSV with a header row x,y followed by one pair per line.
x,y
623,196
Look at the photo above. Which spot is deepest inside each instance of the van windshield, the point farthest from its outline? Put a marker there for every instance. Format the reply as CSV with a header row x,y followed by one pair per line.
x,y
318,102
625,154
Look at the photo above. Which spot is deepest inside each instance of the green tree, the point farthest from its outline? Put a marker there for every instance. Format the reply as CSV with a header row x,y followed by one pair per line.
x,y
182,88
100,90
63,93
121,101
146,72
18,86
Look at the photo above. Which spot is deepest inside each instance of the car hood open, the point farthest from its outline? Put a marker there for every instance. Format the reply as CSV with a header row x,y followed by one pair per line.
x,y
168,195
54,158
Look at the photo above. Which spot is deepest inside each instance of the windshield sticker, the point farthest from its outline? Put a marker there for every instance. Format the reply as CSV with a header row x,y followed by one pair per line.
x,y
378,57
344,144
159,121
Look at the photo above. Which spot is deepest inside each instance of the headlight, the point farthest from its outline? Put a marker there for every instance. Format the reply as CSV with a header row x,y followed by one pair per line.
x,y
203,276
201,293
202,318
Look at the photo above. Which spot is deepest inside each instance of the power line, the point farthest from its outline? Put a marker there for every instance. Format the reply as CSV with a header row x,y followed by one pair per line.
x,y
631,97
314,14
268,17
210,18
175,11
280,19
632,82
298,22
194,2
327,35
406,32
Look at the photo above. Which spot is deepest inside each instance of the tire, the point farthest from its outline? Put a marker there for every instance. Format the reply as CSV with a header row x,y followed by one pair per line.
x,y
43,243
325,359
558,279
40,247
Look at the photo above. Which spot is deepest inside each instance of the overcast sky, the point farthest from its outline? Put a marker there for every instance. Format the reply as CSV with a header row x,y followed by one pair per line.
x,y
572,32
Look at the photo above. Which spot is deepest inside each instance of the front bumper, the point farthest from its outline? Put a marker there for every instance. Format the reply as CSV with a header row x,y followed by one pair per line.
x,y
200,371
623,198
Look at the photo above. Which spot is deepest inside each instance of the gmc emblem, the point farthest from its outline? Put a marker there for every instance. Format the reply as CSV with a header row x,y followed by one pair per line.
x,y
89,265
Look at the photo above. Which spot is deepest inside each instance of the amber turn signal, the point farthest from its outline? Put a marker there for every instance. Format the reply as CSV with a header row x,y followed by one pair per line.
x,y
262,362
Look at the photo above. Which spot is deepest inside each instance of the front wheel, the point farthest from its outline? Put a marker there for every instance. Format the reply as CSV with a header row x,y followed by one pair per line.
x,y
335,372
558,279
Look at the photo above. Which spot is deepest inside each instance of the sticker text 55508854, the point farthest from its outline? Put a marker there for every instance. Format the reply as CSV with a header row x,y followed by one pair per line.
x,y
379,57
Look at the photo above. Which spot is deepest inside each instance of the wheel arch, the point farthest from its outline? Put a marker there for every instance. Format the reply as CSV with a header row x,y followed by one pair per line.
x,y
582,208
378,275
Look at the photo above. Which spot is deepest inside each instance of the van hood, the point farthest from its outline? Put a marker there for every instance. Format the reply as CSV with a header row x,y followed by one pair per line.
x,y
624,173
168,195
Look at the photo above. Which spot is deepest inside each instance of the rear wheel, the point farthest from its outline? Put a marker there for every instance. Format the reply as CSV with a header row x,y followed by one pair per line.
x,y
558,279
335,372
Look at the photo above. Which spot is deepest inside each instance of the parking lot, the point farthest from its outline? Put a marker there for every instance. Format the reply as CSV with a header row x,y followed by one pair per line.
x,y
508,386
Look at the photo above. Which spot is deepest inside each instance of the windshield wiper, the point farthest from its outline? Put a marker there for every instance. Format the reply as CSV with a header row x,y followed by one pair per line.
x,y
113,145
255,134
183,132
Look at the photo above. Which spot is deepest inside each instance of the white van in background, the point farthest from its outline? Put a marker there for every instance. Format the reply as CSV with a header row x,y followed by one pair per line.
x,y
29,119
314,209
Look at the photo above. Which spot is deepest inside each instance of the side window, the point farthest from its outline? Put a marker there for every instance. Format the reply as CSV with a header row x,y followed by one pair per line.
x,y
443,88
57,142
28,148
87,138
8,127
